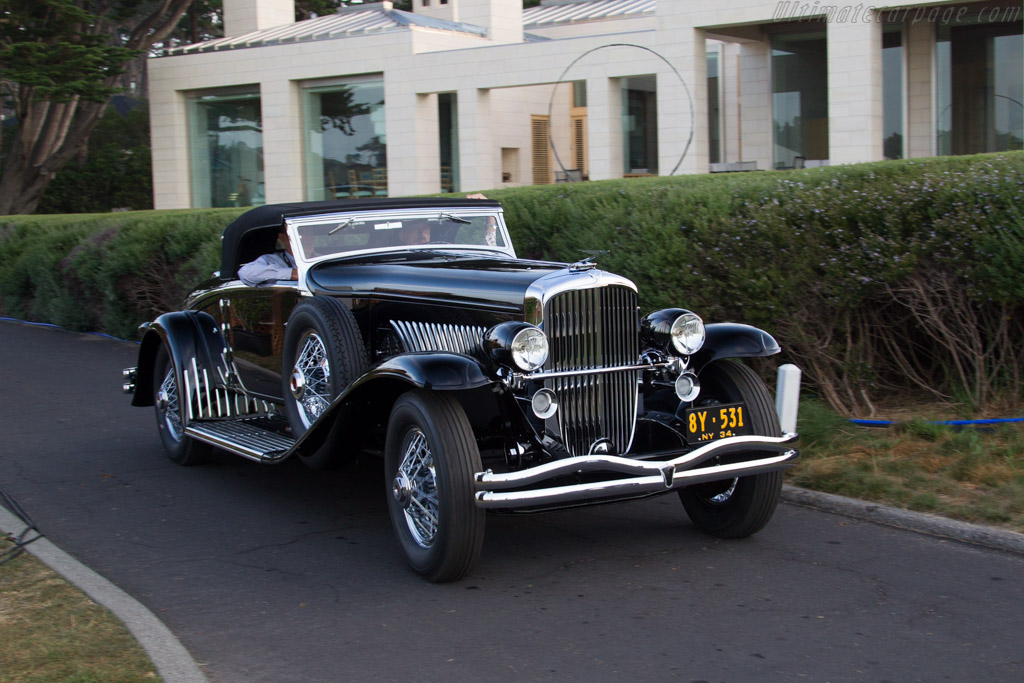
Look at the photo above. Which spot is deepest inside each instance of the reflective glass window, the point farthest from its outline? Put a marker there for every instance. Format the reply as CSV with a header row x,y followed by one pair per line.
x,y
980,88
346,142
714,108
640,125
799,97
226,149
892,92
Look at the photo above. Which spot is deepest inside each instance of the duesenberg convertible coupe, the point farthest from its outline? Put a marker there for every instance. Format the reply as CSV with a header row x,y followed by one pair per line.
x,y
485,381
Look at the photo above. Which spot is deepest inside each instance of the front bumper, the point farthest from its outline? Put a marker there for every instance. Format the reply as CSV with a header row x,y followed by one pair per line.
x,y
643,477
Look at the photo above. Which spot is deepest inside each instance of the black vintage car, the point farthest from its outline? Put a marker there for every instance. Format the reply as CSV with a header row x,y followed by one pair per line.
x,y
486,382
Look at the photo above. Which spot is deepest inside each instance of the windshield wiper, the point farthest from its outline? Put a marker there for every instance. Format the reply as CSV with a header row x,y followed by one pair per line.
x,y
453,219
340,226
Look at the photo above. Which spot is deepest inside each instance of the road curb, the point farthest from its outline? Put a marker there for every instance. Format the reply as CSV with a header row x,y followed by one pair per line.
x,y
920,522
172,661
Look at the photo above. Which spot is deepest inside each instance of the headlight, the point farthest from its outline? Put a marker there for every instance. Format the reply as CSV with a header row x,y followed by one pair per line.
x,y
675,330
518,344
688,334
529,349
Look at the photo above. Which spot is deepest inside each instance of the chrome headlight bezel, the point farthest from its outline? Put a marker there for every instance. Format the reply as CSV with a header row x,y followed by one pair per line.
x,y
688,333
529,349
666,330
520,345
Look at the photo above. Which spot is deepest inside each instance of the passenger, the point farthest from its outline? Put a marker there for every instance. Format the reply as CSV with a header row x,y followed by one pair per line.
x,y
416,232
491,234
278,265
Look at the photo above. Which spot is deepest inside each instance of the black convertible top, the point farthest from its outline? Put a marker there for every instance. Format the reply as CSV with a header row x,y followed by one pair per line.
x,y
254,233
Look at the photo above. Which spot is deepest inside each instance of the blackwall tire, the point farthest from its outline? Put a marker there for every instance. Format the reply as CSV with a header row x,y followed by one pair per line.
x,y
323,354
737,508
167,396
430,458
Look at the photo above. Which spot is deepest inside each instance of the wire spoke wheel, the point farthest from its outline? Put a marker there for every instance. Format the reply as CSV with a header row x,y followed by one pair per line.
x,y
312,374
168,407
430,459
167,401
716,492
416,488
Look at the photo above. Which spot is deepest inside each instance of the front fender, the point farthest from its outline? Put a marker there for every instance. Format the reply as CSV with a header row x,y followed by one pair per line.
x,y
383,383
187,335
430,370
734,340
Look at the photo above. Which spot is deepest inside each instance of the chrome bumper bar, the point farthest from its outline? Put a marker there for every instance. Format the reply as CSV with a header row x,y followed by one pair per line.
x,y
643,476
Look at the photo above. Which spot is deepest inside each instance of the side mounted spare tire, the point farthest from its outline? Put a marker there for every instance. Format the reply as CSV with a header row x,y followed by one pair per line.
x,y
323,354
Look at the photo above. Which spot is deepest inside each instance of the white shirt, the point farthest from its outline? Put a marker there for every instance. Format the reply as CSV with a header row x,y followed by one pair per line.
x,y
267,268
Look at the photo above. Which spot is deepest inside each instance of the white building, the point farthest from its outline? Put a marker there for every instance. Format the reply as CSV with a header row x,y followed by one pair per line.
x,y
478,94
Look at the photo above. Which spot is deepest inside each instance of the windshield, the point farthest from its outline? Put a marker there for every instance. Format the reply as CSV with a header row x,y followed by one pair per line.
x,y
339,234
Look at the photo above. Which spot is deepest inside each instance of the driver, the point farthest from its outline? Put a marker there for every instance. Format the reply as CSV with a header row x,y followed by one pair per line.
x,y
278,265
415,232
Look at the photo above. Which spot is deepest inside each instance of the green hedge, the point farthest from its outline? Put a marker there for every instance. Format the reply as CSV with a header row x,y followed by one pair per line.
x,y
877,278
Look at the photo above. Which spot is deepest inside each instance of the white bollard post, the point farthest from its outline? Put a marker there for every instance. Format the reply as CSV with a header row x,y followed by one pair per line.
x,y
787,397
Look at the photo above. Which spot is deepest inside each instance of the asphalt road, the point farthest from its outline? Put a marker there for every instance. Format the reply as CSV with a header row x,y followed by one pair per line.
x,y
277,573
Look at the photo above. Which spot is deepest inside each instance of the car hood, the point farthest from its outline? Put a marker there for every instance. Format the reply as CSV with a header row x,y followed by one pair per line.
x,y
458,280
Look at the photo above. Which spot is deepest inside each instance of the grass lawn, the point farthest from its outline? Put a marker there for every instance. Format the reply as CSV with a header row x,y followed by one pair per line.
x,y
973,474
51,632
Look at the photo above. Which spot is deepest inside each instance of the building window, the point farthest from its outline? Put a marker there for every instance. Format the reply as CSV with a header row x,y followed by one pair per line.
x,y
714,107
448,125
892,92
640,125
980,88
799,97
346,144
226,149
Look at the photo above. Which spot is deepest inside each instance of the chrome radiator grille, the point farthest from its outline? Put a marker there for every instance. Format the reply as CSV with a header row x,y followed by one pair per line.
x,y
588,329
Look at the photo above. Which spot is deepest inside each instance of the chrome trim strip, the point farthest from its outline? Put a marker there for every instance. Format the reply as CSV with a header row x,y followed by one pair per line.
x,y
187,397
590,371
417,336
647,476
547,286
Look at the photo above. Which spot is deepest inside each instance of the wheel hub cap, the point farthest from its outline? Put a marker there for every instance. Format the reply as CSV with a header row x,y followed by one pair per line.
x,y
297,384
402,490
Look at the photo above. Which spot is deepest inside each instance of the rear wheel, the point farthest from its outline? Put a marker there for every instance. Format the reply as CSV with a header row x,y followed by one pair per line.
x,y
738,507
168,400
430,459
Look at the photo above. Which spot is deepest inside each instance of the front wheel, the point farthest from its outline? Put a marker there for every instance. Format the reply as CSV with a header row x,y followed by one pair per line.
x,y
430,458
739,507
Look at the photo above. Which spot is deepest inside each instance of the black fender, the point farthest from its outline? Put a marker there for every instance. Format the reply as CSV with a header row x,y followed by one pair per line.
x,y
187,335
380,386
733,340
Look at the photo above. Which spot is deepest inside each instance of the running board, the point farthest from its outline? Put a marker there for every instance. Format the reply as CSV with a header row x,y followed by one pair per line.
x,y
243,437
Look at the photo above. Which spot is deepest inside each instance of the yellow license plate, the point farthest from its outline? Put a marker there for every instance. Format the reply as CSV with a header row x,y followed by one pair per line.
x,y
716,422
